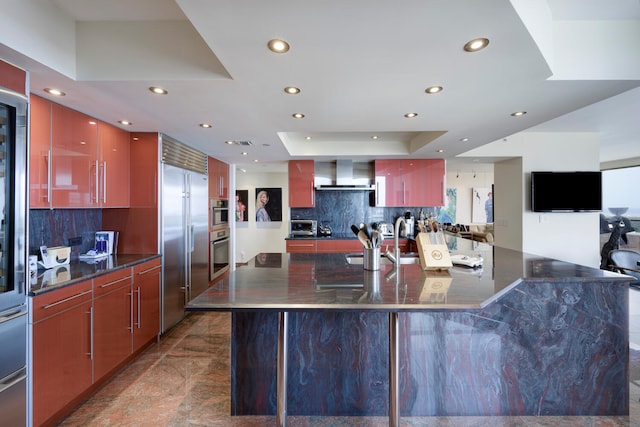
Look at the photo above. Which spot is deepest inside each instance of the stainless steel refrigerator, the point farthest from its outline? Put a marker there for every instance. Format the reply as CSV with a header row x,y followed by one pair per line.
x,y
184,231
13,258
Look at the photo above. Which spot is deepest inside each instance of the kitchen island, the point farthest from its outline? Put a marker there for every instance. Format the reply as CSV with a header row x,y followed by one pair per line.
x,y
316,334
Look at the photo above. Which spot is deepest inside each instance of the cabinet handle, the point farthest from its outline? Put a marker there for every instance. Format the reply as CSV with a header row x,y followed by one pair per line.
x,y
106,285
104,182
49,176
130,327
90,313
313,194
138,291
149,269
404,194
53,304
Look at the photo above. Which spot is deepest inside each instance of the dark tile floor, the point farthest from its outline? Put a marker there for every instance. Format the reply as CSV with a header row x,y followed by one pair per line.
x,y
184,381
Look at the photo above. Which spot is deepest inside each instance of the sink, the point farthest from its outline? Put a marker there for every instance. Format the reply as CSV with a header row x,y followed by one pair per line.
x,y
405,258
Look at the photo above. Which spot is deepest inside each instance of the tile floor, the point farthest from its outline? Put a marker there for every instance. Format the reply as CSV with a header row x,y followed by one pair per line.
x,y
184,381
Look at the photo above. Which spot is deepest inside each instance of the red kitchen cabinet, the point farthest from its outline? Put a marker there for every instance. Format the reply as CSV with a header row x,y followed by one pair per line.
x,y
40,152
301,245
113,166
62,351
434,191
218,179
301,191
146,303
339,246
74,146
13,78
112,323
410,182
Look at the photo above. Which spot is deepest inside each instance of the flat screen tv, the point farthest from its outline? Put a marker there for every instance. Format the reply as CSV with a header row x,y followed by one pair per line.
x,y
566,191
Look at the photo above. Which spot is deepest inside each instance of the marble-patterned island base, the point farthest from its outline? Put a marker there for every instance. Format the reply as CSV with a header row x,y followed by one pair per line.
x,y
547,348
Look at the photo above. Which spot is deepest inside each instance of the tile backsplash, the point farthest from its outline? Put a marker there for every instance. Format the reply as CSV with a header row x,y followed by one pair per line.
x,y
340,209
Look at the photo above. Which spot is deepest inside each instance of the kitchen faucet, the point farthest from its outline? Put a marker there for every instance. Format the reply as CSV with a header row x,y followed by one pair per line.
x,y
395,257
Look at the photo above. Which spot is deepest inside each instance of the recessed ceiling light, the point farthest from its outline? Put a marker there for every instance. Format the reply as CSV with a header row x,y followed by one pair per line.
x,y
125,122
411,115
308,138
519,113
54,92
292,90
278,46
255,161
374,136
229,142
476,44
440,150
297,115
205,125
433,89
244,153
464,139
158,90
242,170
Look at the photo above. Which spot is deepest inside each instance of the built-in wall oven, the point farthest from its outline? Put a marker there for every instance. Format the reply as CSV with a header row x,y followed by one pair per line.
x,y
219,252
219,213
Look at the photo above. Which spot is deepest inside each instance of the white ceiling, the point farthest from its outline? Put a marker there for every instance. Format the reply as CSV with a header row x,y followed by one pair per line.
x,y
361,65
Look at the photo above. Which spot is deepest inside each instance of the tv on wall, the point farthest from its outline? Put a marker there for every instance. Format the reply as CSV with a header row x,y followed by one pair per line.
x,y
566,191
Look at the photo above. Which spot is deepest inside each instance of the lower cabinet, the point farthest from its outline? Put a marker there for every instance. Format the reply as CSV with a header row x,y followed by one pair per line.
x,y
146,302
112,321
301,246
62,351
81,334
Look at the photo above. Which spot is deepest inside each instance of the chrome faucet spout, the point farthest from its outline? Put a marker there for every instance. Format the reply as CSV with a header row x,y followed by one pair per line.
x,y
396,243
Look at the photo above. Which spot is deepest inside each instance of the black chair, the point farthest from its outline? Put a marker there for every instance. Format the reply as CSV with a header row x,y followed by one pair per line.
x,y
626,262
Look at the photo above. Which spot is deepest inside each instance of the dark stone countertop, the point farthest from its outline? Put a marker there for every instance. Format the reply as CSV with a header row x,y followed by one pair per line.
x,y
310,281
77,271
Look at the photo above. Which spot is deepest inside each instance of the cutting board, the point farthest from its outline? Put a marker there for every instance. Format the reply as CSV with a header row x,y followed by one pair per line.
x,y
433,251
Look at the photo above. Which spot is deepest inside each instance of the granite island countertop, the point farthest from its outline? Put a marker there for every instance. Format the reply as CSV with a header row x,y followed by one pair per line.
x,y
323,281
77,271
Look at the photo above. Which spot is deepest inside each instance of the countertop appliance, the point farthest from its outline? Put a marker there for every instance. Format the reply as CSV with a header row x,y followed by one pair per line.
x,y
303,228
324,229
410,223
13,258
184,228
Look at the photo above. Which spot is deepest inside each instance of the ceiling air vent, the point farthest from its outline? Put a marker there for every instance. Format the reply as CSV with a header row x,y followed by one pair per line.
x,y
244,143
177,154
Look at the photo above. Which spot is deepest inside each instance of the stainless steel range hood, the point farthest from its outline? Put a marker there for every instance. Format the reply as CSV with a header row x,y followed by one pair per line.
x,y
344,175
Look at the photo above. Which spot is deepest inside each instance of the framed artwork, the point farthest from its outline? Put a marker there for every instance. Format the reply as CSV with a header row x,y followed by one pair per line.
x,y
447,213
242,205
268,204
482,205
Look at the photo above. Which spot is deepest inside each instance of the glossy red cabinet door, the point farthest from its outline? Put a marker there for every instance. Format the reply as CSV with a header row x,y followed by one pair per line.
x,y
146,302
61,340
113,166
112,307
40,152
301,191
434,182
218,179
389,185
74,160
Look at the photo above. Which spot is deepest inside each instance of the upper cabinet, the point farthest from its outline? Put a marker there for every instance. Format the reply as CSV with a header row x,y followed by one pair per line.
x,y
410,182
113,166
40,153
218,179
301,191
76,161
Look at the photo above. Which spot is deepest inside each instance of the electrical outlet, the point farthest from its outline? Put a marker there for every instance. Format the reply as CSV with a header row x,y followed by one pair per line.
x,y
75,241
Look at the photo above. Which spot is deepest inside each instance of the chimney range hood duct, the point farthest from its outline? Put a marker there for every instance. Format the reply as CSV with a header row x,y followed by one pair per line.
x,y
344,175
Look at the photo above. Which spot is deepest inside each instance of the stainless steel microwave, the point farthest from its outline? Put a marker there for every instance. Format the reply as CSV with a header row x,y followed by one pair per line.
x,y
303,227
219,213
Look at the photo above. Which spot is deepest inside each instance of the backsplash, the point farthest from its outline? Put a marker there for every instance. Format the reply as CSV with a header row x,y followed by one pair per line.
x,y
340,209
55,228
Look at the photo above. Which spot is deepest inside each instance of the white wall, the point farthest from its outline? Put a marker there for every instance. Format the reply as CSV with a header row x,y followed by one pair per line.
x,y
572,237
252,237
